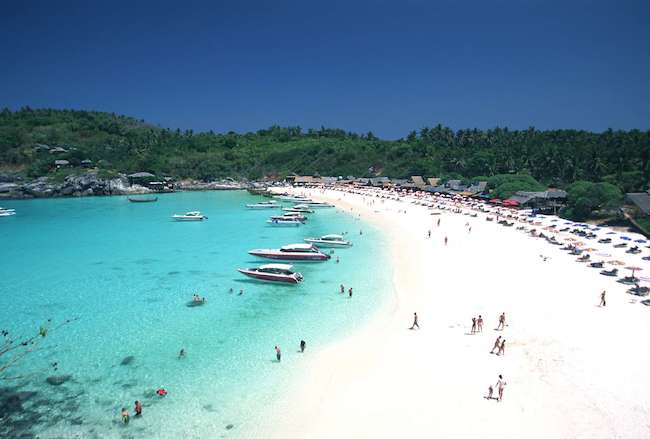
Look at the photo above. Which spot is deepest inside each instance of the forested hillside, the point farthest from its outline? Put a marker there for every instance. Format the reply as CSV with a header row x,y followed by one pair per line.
x,y
123,144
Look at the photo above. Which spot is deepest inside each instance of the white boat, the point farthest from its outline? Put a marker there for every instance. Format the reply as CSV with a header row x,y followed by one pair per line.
x,y
290,216
264,205
302,208
273,273
292,252
329,241
190,216
295,199
317,204
284,222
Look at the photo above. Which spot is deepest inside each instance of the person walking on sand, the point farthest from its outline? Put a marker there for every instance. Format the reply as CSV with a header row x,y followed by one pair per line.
x,y
497,344
438,222
445,240
479,323
502,321
429,235
500,385
602,299
415,321
490,392
473,325
502,347
278,353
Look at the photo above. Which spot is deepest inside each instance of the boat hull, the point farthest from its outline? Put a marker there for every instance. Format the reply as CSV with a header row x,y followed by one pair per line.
x,y
286,256
269,277
329,244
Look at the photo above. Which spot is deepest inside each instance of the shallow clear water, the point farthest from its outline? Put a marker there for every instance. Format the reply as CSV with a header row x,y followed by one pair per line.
x,y
127,271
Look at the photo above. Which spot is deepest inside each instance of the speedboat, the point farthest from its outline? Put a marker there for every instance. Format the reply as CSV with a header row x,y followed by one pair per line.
x,y
329,241
292,252
290,216
264,205
273,273
301,208
318,204
286,222
7,212
190,216
295,199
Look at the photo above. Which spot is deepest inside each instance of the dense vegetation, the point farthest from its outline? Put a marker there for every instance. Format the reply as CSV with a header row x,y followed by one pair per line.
x,y
123,144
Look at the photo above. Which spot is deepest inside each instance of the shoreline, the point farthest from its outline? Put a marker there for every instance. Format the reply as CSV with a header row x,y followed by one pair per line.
x,y
563,378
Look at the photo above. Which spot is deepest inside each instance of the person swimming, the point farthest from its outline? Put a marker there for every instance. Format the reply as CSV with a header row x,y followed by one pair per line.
x,y
181,354
161,392
125,415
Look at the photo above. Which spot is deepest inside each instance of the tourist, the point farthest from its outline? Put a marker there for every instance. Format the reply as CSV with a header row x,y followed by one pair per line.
x,y
445,240
241,292
502,321
602,299
479,323
161,392
438,222
342,289
490,392
350,292
231,291
125,415
278,353
500,385
138,408
360,232
429,234
473,325
337,259
181,354
502,347
302,345
497,345
415,321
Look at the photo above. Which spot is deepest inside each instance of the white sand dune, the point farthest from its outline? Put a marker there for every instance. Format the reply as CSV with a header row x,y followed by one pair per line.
x,y
573,369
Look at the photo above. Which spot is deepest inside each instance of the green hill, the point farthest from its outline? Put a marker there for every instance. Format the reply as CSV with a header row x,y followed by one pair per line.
x,y
117,143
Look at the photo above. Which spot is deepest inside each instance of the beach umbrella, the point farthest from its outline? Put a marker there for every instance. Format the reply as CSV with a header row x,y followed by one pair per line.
x,y
634,269
615,262
604,255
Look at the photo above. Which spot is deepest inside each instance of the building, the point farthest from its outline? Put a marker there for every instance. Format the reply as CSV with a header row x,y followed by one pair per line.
x,y
550,200
61,164
640,201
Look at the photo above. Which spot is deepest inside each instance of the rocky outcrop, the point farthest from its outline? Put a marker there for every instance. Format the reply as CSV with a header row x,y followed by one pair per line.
x,y
81,185
193,185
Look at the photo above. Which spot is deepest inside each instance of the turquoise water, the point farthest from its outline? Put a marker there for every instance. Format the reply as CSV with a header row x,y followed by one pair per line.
x,y
126,271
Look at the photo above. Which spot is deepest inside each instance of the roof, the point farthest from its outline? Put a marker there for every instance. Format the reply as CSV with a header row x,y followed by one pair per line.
x,y
141,175
332,236
61,162
640,200
433,181
86,161
418,180
455,185
58,149
549,194
278,266
304,179
296,247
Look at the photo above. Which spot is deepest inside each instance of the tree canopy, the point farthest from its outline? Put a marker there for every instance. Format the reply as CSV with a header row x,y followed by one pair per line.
x,y
117,143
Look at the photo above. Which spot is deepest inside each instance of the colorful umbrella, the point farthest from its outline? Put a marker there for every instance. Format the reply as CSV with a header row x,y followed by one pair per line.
x,y
634,269
616,262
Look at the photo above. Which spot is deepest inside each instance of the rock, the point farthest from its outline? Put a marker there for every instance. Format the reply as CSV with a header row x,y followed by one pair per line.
x,y
57,380
127,360
8,187
229,427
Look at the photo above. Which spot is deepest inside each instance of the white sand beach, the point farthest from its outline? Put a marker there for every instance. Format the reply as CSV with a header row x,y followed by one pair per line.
x,y
573,369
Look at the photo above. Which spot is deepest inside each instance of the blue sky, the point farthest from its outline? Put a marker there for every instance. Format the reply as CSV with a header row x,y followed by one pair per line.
x,y
382,66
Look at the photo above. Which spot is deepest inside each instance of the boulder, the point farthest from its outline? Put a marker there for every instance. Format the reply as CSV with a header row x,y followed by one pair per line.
x,y
57,380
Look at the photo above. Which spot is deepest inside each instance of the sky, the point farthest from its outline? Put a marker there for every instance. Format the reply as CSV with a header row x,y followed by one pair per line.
x,y
370,65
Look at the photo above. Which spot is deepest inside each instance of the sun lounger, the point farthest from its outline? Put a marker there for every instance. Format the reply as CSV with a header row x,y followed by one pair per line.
x,y
613,272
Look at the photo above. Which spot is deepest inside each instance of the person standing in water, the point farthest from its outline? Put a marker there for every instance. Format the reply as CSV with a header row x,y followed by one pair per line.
x,y
602,299
181,354
500,385
278,353
342,289
125,415
138,408
415,321
350,292
302,345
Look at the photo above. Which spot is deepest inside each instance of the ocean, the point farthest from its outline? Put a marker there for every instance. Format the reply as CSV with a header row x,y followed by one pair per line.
x,y
124,273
